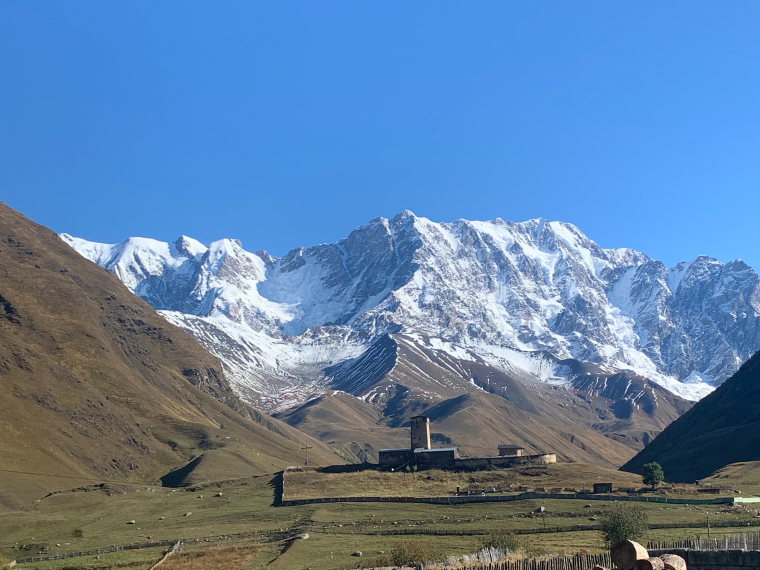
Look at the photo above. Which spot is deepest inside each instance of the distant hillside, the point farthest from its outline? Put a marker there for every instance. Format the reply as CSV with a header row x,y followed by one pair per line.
x,y
723,428
94,383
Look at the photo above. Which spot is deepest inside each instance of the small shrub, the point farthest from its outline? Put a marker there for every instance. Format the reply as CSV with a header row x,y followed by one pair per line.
x,y
501,539
535,550
413,552
78,533
623,522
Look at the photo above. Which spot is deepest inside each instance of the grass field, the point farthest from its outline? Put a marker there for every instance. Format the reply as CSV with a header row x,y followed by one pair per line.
x,y
744,476
234,526
310,484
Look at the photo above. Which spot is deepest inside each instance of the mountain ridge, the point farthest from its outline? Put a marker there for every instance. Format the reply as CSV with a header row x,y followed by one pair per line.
x,y
482,287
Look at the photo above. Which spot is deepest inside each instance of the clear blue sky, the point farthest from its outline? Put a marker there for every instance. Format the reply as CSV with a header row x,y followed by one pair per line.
x,y
290,123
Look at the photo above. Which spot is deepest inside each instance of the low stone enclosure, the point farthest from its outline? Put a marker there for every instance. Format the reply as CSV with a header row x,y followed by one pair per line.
x,y
630,555
692,559
715,559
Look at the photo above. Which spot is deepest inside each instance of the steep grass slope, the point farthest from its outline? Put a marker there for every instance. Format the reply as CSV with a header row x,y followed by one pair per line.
x,y
94,383
722,428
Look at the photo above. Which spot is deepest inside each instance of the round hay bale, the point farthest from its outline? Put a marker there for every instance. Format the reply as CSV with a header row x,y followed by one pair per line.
x,y
673,562
625,553
650,564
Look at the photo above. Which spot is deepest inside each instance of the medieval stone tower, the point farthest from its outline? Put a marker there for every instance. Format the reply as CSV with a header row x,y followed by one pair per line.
x,y
420,432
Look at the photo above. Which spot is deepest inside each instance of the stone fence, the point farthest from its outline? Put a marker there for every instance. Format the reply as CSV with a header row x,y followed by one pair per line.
x,y
489,498
715,559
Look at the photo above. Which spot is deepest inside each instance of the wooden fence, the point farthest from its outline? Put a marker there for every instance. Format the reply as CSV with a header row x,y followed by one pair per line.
x,y
262,536
743,541
577,562
454,530
94,551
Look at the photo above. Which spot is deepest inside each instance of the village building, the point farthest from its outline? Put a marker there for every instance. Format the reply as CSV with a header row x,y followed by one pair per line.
x,y
422,455
508,450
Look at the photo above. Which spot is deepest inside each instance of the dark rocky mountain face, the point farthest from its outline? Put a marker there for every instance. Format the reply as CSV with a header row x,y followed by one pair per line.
x,y
722,428
519,300
94,383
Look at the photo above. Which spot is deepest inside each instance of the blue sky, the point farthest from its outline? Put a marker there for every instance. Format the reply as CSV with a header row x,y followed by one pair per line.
x,y
290,123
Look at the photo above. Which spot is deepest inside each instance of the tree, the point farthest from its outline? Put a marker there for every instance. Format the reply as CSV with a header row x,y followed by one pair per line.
x,y
653,474
623,522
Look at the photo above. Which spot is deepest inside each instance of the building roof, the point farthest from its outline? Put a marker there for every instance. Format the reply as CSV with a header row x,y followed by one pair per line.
x,y
435,449
398,449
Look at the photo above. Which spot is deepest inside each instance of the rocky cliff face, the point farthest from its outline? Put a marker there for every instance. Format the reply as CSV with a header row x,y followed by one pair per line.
x,y
520,297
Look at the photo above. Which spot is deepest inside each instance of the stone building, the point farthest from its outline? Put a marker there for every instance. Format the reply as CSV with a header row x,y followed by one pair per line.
x,y
421,454
509,450
420,432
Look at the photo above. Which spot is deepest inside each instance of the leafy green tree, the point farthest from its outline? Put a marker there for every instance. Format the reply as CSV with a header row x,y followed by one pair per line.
x,y
623,522
653,474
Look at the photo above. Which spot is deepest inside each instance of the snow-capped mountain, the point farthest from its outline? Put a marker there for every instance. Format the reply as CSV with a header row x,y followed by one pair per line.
x,y
528,298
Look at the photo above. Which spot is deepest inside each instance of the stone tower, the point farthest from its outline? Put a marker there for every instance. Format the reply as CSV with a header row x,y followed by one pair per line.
x,y
420,432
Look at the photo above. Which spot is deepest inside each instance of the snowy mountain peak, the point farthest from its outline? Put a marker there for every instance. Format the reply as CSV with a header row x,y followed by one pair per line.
x,y
189,247
491,289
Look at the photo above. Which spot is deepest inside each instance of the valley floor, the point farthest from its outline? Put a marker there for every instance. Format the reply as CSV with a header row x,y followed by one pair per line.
x,y
235,525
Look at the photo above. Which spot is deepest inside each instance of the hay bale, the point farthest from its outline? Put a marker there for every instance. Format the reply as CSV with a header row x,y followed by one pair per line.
x,y
673,562
650,564
626,552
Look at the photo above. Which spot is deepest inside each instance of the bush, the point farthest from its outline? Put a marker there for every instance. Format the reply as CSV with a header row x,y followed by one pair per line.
x,y
414,551
78,533
623,522
501,539
653,474
535,550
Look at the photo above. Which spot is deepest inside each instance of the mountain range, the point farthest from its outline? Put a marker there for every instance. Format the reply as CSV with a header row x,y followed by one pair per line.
x,y
406,315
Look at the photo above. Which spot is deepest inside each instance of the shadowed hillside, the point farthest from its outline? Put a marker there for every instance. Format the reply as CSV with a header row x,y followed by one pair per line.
x,y
722,428
94,383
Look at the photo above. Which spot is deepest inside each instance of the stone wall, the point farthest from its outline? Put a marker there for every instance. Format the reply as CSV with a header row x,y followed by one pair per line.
x,y
716,559
476,463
